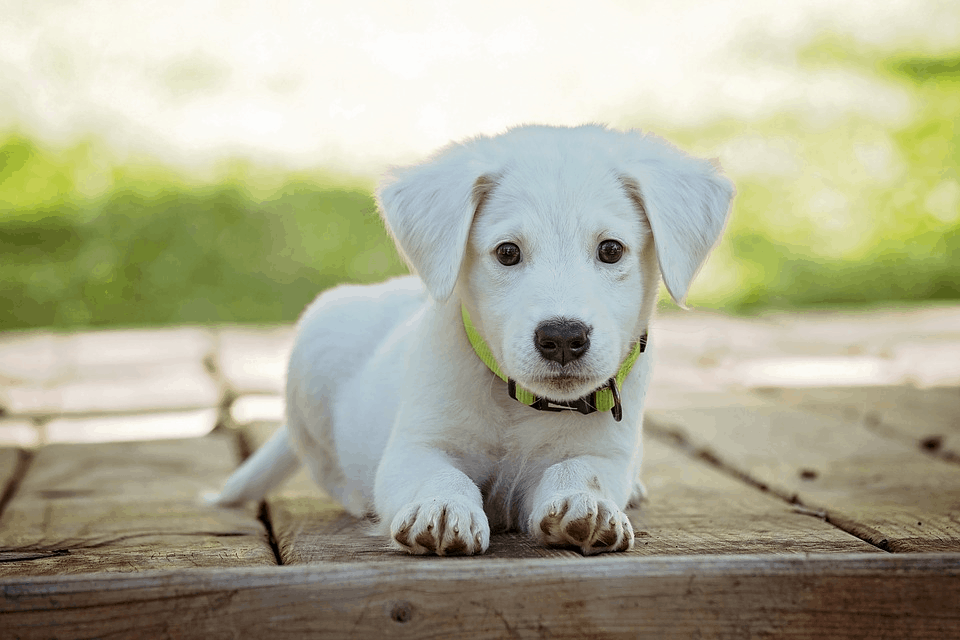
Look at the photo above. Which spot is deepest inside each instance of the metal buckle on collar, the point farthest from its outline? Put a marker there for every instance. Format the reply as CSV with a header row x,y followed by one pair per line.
x,y
585,405
617,409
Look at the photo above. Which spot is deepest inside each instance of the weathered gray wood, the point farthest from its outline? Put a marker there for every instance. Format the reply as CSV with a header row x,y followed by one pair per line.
x,y
860,596
251,408
692,509
926,418
127,507
132,426
881,490
29,356
18,432
168,385
37,356
254,360
864,331
48,374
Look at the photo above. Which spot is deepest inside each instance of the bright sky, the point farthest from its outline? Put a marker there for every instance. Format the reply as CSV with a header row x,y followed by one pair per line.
x,y
355,85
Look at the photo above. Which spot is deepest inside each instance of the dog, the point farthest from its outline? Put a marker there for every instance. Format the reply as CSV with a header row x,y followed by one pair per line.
x,y
502,386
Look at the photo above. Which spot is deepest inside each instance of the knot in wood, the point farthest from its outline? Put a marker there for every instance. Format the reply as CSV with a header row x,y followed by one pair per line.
x,y
401,612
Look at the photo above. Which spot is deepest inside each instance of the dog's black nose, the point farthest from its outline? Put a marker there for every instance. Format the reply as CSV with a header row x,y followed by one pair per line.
x,y
562,340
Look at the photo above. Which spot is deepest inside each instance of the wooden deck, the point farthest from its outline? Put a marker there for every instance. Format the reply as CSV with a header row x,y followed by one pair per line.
x,y
804,477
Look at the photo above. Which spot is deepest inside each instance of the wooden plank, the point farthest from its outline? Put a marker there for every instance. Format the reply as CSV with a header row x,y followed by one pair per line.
x,y
248,409
889,494
127,370
254,360
23,433
100,354
36,356
136,426
927,418
172,385
693,509
866,330
127,507
857,596
703,352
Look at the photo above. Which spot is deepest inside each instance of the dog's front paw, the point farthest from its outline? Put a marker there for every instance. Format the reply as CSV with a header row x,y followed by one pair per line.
x,y
580,520
444,526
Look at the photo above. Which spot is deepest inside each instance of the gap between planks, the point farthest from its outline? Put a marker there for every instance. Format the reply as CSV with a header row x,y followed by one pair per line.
x,y
129,506
679,441
879,489
245,449
18,472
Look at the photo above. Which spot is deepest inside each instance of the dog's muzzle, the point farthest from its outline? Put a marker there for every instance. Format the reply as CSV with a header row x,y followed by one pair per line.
x,y
606,398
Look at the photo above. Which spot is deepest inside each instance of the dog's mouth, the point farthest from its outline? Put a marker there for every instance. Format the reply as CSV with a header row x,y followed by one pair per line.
x,y
564,387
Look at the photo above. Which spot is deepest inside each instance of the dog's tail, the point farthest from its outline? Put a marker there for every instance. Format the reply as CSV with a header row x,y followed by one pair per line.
x,y
269,466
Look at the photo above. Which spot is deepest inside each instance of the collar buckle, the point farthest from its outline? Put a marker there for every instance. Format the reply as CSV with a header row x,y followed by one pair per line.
x,y
585,405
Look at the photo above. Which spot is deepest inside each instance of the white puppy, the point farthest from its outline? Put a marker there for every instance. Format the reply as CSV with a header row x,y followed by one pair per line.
x,y
539,254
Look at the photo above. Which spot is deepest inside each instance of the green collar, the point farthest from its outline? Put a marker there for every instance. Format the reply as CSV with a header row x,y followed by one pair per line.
x,y
606,398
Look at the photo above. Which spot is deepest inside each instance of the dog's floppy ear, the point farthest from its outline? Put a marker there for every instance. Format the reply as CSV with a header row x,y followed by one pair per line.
x,y
686,201
428,208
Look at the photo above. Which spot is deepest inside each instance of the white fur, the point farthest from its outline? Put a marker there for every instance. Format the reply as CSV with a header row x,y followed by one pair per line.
x,y
397,417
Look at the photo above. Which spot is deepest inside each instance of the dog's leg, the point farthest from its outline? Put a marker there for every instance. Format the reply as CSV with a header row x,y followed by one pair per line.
x,y
430,505
570,507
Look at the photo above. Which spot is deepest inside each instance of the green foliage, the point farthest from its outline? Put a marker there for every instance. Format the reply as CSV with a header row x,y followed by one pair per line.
x,y
178,254
925,69
853,210
859,210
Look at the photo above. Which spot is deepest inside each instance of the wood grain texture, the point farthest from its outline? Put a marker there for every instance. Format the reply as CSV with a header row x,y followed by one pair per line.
x,y
169,385
693,509
926,418
881,490
858,596
127,507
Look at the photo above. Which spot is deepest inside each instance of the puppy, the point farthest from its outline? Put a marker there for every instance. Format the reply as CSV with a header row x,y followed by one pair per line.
x,y
502,388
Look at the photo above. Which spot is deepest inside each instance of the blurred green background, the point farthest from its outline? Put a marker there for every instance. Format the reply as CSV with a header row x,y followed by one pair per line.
x,y
848,211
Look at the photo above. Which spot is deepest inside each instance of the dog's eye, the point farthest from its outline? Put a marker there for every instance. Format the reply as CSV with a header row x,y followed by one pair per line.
x,y
610,251
508,254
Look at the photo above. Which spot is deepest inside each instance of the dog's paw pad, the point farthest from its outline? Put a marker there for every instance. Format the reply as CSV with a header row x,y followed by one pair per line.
x,y
446,527
580,520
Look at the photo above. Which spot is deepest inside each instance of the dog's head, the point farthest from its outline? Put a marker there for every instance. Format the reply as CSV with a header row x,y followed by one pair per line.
x,y
555,240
